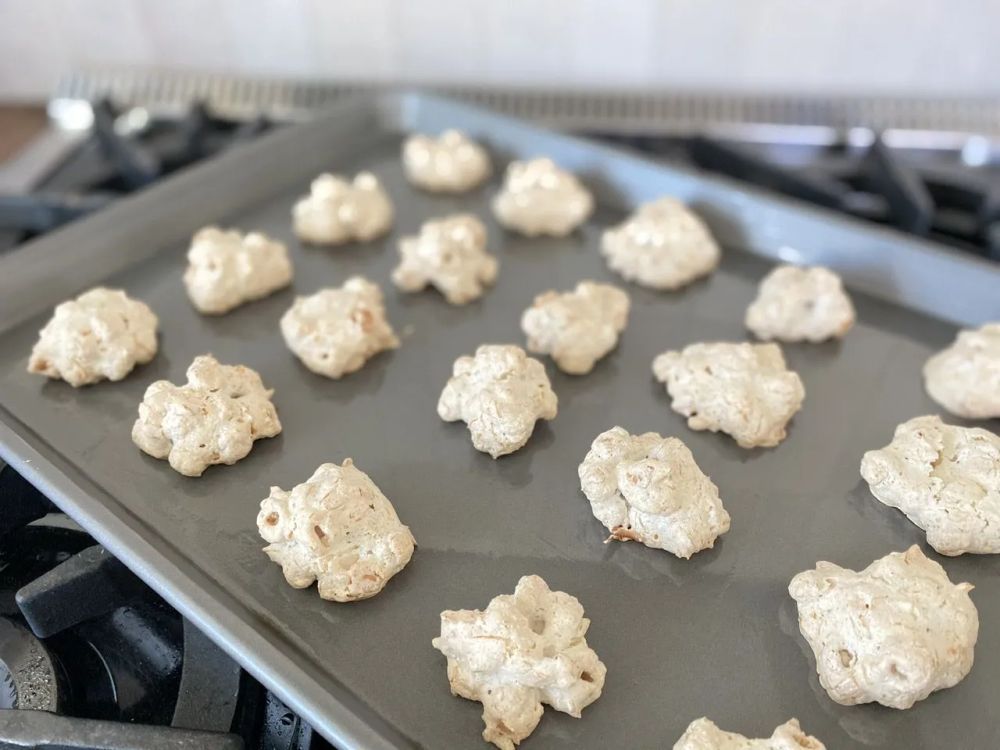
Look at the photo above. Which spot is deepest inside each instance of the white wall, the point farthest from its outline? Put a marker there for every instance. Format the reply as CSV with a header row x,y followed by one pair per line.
x,y
870,46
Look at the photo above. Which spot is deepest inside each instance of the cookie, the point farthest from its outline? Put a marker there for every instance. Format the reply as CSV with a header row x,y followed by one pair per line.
x,y
335,331
214,418
538,198
744,390
648,489
892,633
499,393
519,653
965,377
800,304
576,328
946,479
663,245
337,211
450,255
336,529
450,163
226,269
101,335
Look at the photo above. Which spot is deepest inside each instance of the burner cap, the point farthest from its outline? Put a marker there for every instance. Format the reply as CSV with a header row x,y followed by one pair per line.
x,y
27,673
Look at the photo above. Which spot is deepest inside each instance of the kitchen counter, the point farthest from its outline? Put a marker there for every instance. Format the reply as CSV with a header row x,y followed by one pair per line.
x,y
18,126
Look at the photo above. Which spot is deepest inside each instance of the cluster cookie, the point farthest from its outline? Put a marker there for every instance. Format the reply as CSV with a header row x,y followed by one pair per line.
x,y
450,255
965,377
338,529
226,269
450,163
539,198
893,633
663,245
214,418
335,331
703,734
522,651
576,328
946,479
101,335
648,489
800,304
337,211
744,390
499,393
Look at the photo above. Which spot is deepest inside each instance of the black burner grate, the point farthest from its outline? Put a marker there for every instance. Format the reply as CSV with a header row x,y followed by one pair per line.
x,y
90,657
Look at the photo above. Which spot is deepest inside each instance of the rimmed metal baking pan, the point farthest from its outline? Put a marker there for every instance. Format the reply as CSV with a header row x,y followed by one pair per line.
x,y
715,635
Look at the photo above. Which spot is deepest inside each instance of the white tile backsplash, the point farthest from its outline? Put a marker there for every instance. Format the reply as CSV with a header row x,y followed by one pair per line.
x,y
854,46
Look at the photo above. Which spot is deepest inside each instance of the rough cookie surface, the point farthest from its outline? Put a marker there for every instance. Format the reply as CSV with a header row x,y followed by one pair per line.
x,y
226,269
744,390
965,377
800,304
648,489
946,479
663,245
703,734
539,198
520,652
449,254
893,633
212,419
337,211
336,528
577,328
500,394
450,163
335,331
101,335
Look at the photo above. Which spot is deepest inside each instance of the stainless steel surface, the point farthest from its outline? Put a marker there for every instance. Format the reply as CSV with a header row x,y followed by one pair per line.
x,y
713,636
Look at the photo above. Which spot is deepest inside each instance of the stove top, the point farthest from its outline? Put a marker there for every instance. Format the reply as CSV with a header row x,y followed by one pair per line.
x,y
90,657
914,185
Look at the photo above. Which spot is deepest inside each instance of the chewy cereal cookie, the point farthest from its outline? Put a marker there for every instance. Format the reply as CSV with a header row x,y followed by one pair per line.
x,y
101,335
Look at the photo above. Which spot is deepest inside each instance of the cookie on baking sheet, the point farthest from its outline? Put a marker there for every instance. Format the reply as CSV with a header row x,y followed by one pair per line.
x,y
663,245
338,529
101,335
703,734
965,377
337,211
450,163
335,331
800,304
892,633
539,198
524,650
744,390
450,255
214,418
226,269
648,489
499,393
576,328
946,479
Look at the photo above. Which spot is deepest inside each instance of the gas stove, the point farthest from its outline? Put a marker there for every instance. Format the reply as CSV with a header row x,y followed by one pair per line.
x,y
90,657
929,168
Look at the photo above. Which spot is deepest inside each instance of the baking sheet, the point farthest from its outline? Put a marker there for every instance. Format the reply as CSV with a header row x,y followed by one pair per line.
x,y
712,636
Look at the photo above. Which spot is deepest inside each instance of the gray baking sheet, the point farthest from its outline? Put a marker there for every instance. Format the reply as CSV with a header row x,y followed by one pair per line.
x,y
715,635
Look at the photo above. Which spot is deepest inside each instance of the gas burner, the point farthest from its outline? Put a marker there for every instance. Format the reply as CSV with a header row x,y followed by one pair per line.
x,y
938,197
90,657
123,153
